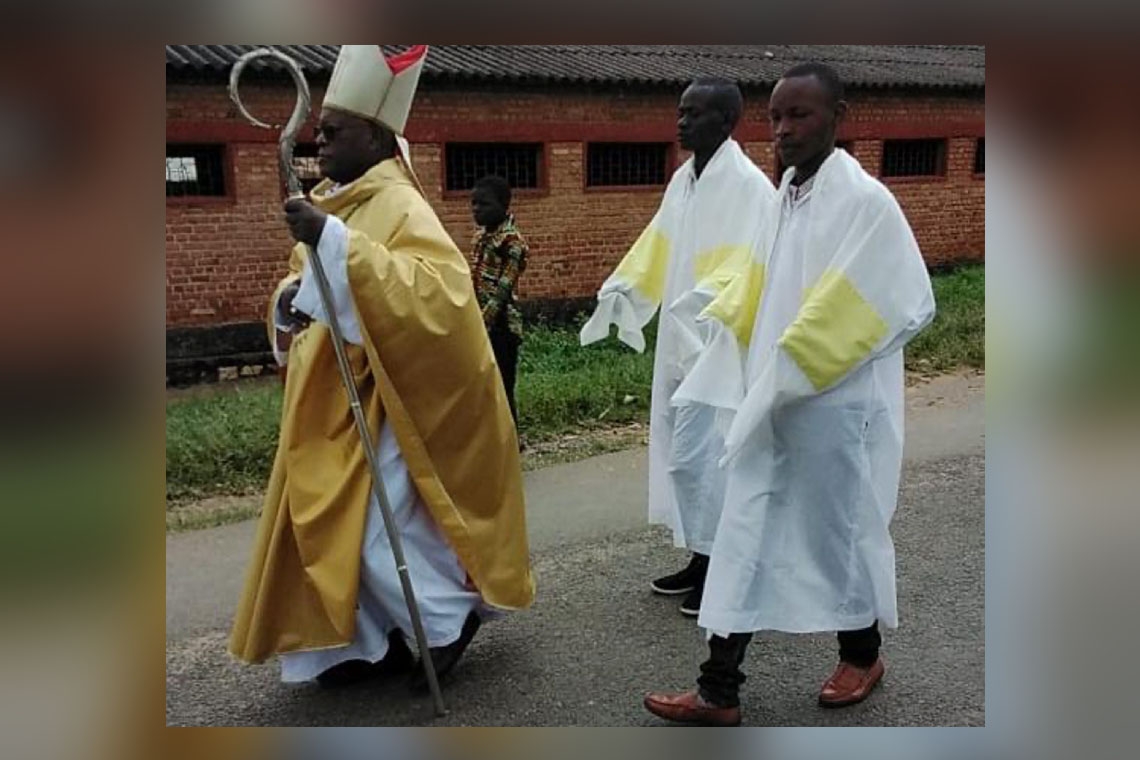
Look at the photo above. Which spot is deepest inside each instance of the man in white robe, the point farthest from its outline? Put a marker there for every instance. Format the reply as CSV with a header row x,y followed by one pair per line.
x,y
815,389
702,230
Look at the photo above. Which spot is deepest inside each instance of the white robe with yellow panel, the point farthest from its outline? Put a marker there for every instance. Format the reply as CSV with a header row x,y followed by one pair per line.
x,y
704,225
814,388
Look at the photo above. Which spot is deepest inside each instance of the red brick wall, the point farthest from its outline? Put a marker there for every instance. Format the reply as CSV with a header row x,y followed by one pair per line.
x,y
223,256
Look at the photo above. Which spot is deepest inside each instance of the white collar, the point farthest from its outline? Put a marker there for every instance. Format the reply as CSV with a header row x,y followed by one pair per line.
x,y
797,195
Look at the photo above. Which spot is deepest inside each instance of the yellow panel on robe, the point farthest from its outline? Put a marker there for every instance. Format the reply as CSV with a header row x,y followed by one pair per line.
x,y
835,330
645,266
428,368
720,265
738,303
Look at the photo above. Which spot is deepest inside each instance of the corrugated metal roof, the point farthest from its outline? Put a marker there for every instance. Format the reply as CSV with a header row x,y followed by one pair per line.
x,y
955,66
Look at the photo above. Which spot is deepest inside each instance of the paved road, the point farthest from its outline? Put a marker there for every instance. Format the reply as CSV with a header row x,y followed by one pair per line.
x,y
596,639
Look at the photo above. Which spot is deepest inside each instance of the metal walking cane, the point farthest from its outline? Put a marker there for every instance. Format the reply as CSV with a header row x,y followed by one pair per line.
x,y
286,144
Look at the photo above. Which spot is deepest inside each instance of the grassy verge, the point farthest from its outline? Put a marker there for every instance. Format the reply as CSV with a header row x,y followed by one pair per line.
x,y
221,443
563,387
957,336
575,402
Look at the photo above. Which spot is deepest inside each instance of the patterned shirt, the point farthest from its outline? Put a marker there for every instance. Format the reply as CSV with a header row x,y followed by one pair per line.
x,y
499,259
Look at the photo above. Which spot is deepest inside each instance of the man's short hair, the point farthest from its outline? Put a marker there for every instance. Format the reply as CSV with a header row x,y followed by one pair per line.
x,y
726,96
498,187
826,75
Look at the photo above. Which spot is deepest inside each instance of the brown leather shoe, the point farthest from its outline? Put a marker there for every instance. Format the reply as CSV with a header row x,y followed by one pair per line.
x,y
689,707
850,684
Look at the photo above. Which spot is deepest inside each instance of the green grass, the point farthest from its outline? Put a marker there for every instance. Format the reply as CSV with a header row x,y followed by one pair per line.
x,y
222,441
957,336
562,385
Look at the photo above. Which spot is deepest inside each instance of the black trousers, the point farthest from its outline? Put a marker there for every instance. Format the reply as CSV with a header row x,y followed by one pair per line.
x,y
505,345
721,676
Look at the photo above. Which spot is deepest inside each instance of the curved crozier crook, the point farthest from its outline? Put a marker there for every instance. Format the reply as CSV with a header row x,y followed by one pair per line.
x,y
288,139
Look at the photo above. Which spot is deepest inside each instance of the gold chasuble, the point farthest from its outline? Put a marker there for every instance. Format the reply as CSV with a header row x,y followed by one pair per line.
x,y
427,368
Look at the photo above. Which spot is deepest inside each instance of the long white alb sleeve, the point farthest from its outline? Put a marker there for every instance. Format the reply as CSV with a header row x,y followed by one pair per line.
x,y
333,250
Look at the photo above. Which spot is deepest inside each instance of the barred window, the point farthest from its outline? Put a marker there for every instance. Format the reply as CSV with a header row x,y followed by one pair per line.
x,y
626,164
517,163
195,170
914,158
980,157
305,164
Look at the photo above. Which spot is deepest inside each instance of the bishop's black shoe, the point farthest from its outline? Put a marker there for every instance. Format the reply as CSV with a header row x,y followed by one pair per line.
x,y
398,660
445,658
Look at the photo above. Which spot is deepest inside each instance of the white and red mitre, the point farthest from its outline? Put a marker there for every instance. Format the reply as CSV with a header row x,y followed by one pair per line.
x,y
367,84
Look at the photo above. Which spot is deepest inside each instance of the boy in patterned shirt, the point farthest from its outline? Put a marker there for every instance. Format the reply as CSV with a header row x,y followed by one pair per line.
x,y
499,257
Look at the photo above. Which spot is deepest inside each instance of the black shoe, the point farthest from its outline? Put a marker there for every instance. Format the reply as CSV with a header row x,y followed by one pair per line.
x,y
445,658
686,580
398,659
345,673
691,607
